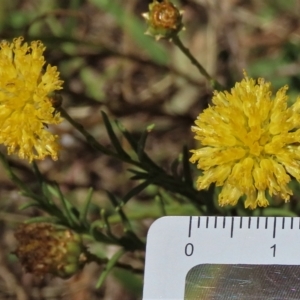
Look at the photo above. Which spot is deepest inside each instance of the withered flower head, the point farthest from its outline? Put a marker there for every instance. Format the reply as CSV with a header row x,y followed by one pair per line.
x,y
48,248
164,19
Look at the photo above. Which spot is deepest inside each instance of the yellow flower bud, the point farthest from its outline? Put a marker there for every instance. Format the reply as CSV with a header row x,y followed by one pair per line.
x,y
164,19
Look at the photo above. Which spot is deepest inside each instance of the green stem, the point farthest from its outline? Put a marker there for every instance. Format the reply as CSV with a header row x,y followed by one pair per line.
x,y
214,83
154,212
12,176
104,261
110,264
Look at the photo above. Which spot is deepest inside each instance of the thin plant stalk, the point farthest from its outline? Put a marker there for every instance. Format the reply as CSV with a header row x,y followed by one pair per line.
x,y
213,82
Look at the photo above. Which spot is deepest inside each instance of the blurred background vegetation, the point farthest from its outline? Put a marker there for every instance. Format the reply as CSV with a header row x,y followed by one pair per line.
x,y
108,64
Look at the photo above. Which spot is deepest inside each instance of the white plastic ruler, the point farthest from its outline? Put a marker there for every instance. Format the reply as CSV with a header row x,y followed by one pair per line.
x,y
177,245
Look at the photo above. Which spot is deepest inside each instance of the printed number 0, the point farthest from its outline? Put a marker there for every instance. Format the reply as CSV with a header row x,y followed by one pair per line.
x,y
189,249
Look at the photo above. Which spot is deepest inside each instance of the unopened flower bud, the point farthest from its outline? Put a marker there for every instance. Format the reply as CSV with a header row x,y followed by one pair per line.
x,y
164,19
48,248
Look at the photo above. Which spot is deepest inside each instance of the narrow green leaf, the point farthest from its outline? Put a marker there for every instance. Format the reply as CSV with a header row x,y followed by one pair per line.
x,y
50,219
161,205
99,236
134,171
49,188
85,208
131,140
136,190
130,281
174,168
138,147
142,155
109,266
37,173
12,176
150,127
29,204
139,177
89,138
119,210
278,212
145,176
142,141
138,174
47,194
186,167
141,145
33,196
107,225
113,138
113,199
68,208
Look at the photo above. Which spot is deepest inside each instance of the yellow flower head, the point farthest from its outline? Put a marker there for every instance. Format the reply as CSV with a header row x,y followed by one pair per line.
x,y
25,101
249,143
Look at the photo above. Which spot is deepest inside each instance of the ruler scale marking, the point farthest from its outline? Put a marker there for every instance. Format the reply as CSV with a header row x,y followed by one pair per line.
x,y
190,227
231,230
171,253
274,228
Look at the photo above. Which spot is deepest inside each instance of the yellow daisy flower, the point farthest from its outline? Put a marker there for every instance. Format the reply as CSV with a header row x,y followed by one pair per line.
x,y
249,143
25,102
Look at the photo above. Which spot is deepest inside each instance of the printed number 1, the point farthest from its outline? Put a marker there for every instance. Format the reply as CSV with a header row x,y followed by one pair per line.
x,y
274,249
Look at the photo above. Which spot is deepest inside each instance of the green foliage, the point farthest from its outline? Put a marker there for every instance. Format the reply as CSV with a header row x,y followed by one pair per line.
x,y
135,28
120,218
